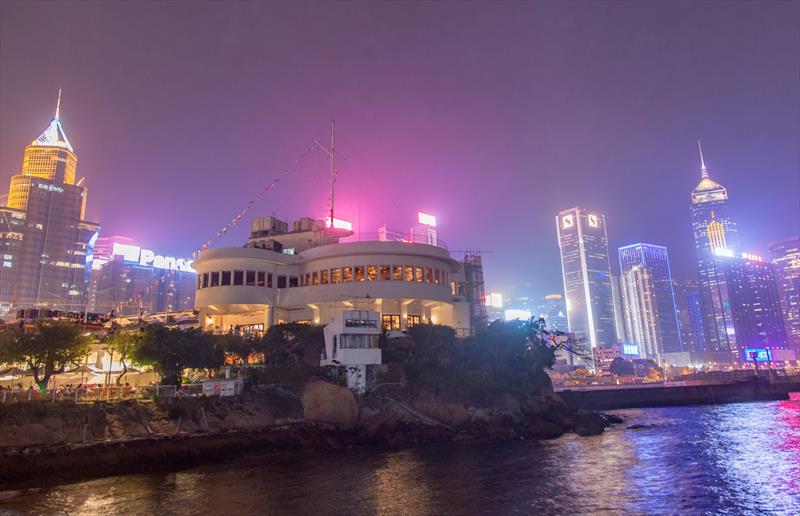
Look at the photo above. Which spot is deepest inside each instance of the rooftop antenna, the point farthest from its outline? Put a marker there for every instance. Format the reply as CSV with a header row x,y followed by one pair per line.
x,y
703,169
58,104
330,151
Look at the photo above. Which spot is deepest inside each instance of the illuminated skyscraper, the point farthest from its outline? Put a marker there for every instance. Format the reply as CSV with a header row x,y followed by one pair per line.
x,y
786,259
690,319
648,301
713,230
554,313
754,304
582,240
45,241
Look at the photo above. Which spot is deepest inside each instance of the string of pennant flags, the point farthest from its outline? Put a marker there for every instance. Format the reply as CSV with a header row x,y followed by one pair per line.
x,y
224,229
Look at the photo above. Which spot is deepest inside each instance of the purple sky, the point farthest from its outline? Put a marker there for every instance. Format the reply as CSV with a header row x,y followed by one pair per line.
x,y
492,116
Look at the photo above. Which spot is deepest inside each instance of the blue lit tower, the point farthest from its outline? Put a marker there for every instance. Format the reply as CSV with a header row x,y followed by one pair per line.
x,y
713,230
586,272
649,313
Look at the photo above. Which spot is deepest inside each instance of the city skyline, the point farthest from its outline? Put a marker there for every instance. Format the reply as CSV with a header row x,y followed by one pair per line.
x,y
171,138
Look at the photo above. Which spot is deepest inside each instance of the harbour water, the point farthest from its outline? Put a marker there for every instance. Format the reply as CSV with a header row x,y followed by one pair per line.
x,y
717,459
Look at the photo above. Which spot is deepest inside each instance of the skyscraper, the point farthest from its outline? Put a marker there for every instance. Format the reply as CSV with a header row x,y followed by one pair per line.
x,y
46,241
554,313
690,319
786,259
713,230
755,304
648,300
583,242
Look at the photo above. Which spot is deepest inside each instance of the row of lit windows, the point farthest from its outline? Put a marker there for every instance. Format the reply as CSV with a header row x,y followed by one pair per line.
x,y
374,273
326,276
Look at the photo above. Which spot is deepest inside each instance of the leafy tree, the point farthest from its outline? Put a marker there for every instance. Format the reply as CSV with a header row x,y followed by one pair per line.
x,y
292,344
47,349
123,342
170,350
621,367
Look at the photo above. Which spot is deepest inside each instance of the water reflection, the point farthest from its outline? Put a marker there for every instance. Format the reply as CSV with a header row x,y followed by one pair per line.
x,y
738,459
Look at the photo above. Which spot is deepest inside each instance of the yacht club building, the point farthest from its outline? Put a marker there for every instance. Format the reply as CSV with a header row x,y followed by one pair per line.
x,y
317,271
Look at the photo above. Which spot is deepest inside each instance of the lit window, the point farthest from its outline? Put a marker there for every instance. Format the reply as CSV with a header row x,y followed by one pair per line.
x,y
412,320
324,277
308,279
436,276
386,274
315,278
409,273
420,274
360,273
397,272
269,279
372,272
336,275
347,274
215,279
429,275
391,322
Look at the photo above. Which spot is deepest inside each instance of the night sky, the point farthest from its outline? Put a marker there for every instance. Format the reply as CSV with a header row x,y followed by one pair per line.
x,y
493,117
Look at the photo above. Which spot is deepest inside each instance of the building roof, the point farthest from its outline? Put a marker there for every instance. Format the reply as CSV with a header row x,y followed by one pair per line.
x,y
54,135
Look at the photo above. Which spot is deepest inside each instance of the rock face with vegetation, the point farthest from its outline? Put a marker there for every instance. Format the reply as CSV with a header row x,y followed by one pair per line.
x,y
431,388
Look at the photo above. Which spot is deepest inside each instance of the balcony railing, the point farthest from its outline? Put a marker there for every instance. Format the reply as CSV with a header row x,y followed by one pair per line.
x,y
395,236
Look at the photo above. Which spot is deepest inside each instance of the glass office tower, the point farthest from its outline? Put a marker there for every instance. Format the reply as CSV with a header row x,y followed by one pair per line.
x,y
586,272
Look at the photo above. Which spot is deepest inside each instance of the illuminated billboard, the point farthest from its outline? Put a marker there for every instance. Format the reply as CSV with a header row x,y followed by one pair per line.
x,y
512,314
630,349
494,300
424,218
339,223
758,354
148,258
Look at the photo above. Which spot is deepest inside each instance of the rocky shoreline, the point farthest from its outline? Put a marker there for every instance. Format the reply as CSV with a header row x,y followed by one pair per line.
x,y
46,443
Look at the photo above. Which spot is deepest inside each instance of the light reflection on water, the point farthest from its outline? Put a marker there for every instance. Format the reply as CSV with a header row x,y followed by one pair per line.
x,y
729,459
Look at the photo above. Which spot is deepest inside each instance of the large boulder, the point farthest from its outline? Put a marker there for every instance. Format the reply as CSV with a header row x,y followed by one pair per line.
x,y
327,403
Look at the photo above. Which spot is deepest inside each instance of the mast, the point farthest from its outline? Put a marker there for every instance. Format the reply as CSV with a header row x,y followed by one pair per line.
x,y
333,164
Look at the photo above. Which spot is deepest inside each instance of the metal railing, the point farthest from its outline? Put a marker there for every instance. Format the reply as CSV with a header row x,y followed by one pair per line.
x,y
91,394
395,236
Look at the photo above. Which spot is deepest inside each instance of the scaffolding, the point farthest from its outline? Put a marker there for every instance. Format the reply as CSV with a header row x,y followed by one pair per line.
x,y
476,293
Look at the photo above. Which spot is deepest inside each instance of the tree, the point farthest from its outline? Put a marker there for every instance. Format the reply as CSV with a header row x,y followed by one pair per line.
x,y
123,342
292,344
47,349
170,350
621,367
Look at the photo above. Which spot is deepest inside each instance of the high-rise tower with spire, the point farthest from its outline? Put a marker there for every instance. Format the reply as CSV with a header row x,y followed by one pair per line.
x,y
45,241
714,232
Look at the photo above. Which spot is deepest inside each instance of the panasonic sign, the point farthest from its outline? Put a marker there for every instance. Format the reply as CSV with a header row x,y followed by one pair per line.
x,y
148,258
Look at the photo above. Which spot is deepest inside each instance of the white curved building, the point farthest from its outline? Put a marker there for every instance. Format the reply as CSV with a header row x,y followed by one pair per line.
x,y
311,275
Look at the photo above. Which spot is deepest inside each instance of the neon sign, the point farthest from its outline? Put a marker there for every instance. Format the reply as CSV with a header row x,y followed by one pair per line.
x,y
148,258
424,218
630,349
758,354
339,224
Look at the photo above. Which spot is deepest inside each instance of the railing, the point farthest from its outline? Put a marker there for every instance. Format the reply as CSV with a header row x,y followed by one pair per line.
x,y
395,236
102,393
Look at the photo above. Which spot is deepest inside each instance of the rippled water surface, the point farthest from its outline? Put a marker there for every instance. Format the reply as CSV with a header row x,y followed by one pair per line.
x,y
726,459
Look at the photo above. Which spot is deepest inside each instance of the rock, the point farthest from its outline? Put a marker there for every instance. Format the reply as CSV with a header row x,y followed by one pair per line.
x,y
327,403
588,423
53,422
35,433
509,404
543,429
612,419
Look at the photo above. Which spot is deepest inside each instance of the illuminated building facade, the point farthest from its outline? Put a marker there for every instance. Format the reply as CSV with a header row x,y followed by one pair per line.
x,y
582,240
713,230
755,305
690,319
122,270
786,259
315,273
45,240
554,312
648,301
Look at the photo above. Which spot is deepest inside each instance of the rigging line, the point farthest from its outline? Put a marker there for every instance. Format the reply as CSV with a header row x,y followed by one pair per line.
x,y
294,165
